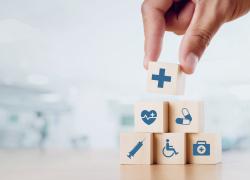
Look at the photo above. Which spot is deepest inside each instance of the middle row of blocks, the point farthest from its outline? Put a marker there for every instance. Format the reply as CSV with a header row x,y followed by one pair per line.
x,y
173,116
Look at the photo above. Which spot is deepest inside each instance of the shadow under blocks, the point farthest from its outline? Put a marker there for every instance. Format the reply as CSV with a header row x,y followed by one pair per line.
x,y
169,132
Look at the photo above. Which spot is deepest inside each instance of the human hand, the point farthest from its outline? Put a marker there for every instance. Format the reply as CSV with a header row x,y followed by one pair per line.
x,y
198,20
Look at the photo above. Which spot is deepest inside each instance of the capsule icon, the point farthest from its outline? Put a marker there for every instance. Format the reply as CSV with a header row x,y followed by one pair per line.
x,y
187,118
186,114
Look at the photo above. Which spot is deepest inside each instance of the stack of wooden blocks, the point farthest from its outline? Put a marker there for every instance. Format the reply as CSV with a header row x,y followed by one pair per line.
x,y
169,132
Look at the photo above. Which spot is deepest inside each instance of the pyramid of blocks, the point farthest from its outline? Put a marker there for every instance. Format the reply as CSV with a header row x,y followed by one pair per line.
x,y
169,132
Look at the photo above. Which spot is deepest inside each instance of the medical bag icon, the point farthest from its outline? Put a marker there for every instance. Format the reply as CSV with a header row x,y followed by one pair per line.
x,y
201,148
186,119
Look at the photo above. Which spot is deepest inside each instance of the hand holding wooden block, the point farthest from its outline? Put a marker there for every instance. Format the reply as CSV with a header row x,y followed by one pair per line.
x,y
186,116
165,78
204,148
169,148
136,148
151,116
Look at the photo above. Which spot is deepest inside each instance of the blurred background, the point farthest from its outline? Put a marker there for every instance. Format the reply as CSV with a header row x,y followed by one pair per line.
x,y
70,72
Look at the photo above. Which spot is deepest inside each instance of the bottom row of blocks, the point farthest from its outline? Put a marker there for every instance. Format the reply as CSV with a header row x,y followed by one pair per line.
x,y
170,148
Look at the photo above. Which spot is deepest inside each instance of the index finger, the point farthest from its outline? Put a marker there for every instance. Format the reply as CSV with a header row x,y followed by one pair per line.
x,y
153,12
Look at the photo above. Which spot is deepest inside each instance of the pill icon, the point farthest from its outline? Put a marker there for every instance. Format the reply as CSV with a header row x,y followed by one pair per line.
x,y
186,114
187,118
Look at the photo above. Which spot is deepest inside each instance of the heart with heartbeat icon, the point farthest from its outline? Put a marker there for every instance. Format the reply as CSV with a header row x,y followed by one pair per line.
x,y
148,116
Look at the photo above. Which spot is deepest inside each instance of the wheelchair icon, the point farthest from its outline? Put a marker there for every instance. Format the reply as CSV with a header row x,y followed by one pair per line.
x,y
169,151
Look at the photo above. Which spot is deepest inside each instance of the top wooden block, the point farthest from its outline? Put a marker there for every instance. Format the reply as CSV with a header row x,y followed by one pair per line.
x,y
165,78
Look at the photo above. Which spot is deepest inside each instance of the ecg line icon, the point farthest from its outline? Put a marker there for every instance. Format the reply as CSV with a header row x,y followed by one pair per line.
x,y
148,116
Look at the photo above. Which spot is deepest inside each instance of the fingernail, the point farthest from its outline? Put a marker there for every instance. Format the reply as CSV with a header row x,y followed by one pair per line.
x,y
190,62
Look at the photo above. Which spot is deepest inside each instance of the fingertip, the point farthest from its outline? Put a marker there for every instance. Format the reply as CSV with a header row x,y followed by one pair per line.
x,y
145,64
189,63
187,70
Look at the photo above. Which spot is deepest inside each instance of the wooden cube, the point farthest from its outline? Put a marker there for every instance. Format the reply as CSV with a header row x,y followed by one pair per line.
x,y
136,148
165,78
204,148
151,116
169,148
186,116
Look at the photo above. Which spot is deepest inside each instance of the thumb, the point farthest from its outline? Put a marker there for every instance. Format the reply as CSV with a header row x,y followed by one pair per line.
x,y
204,24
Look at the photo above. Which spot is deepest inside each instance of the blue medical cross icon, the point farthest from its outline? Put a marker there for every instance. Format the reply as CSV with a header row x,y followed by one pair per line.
x,y
161,78
202,149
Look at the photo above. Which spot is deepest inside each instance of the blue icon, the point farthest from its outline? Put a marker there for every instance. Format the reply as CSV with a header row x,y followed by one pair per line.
x,y
201,148
187,118
135,149
161,78
148,116
169,151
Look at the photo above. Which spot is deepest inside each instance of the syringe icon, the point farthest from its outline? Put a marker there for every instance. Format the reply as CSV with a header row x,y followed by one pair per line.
x,y
135,149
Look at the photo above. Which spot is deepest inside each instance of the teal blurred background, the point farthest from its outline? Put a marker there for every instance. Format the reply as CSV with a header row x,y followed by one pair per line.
x,y
70,72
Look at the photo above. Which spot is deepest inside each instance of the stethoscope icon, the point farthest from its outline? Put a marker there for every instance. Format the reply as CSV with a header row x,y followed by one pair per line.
x,y
167,148
187,118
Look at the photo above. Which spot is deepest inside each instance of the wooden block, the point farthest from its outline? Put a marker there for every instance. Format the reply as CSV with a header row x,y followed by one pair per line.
x,y
136,148
186,116
169,148
204,148
165,78
151,116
